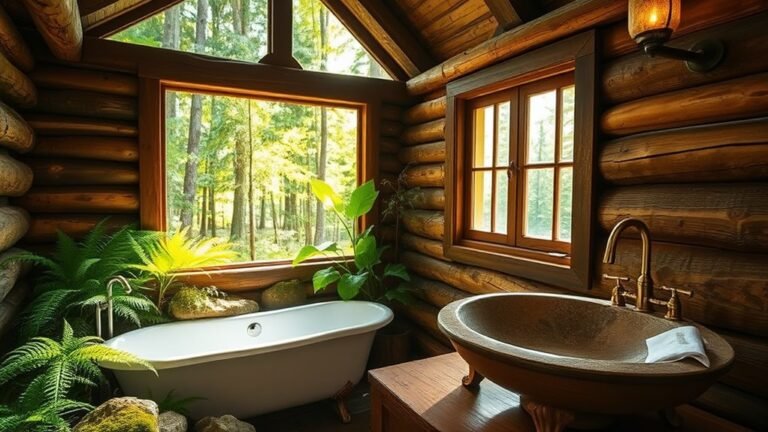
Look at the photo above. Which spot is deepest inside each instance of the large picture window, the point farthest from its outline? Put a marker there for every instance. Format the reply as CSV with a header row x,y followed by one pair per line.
x,y
519,165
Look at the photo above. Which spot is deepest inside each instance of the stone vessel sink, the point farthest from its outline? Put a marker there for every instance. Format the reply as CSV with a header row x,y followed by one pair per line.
x,y
577,355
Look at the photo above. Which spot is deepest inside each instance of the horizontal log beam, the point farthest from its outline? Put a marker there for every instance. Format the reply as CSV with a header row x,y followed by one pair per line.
x,y
728,100
430,199
15,176
12,45
731,288
15,133
60,172
732,151
727,216
88,147
391,112
389,163
429,224
15,87
735,405
423,315
44,227
636,76
423,153
86,104
14,223
428,345
67,78
389,145
422,245
81,199
425,111
432,175
568,20
750,369
391,128
425,132
52,125
436,293
58,21
10,271
695,15
472,280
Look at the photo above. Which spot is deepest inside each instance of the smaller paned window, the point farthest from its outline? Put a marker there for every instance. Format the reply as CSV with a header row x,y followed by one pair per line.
x,y
519,179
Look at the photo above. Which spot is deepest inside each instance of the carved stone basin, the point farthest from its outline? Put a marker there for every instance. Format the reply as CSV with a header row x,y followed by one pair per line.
x,y
575,354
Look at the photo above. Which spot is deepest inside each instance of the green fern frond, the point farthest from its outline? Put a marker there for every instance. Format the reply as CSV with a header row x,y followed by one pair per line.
x,y
28,357
43,311
104,354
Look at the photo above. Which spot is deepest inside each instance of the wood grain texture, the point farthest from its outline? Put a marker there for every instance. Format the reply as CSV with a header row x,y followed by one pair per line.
x,y
58,125
636,75
60,172
86,104
429,247
750,369
424,223
67,78
15,87
427,345
81,199
727,100
15,176
425,133
723,215
15,133
423,153
87,147
14,223
12,45
432,175
58,21
43,228
425,316
430,199
425,111
436,293
731,151
568,20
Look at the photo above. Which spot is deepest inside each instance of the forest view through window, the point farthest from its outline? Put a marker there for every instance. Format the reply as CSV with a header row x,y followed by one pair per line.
x,y
238,169
237,29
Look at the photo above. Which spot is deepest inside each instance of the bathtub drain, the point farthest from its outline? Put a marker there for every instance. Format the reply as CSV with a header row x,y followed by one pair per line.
x,y
254,329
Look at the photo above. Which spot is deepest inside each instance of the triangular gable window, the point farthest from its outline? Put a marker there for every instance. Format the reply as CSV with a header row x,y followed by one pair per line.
x,y
237,29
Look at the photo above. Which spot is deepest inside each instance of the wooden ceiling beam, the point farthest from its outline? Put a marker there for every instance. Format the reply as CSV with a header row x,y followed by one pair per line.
x,y
392,33
112,24
88,7
512,13
58,21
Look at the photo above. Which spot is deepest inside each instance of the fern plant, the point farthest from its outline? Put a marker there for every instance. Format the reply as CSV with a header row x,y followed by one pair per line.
x,y
163,258
73,280
54,370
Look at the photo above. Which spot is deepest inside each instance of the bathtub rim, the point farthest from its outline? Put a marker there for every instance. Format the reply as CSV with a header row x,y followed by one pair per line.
x,y
297,342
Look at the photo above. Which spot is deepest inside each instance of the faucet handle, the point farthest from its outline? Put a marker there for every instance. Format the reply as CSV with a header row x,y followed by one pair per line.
x,y
674,309
618,279
618,293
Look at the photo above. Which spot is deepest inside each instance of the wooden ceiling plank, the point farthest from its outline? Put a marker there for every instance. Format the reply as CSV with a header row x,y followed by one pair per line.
x,y
512,13
88,7
110,25
393,34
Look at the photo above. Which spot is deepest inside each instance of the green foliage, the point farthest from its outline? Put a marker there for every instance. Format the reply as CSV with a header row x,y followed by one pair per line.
x,y
73,280
53,371
363,278
176,404
167,255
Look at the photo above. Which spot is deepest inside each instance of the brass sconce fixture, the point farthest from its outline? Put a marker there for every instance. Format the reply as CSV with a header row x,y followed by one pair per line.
x,y
651,23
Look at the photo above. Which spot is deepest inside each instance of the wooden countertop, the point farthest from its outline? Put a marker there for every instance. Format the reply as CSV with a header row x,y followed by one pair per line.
x,y
431,390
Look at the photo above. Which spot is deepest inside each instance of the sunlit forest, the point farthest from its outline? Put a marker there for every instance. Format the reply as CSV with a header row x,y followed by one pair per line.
x,y
238,168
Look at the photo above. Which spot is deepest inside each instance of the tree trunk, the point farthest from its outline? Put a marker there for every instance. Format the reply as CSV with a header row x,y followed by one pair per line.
x,y
263,210
204,214
251,216
274,215
212,204
195,123
239,200
171,40
323,152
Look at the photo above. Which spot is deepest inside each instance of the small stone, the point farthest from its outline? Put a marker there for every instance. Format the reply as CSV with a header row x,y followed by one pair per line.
x,y
172,422
284,294
226,423
125,414
193,303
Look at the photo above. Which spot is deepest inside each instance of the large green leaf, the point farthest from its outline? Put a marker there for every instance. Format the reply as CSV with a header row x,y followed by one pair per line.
x,y
361,201
402,294
398,271
350,284
325,194
310,251
323,278
365,252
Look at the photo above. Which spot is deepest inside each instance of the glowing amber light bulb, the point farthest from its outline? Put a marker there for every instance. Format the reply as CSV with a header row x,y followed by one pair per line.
x,y
656,18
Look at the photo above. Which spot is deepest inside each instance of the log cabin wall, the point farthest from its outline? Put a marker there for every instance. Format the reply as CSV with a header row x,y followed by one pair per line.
x,y
685,152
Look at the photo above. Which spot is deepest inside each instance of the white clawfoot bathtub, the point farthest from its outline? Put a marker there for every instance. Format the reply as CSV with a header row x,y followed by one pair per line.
x,y
256,363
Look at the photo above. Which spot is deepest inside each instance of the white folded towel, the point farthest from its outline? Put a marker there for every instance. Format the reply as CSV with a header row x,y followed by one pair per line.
x,y
676,344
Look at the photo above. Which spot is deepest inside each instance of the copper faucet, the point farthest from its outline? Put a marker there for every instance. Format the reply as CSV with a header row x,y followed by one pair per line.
x,y
644,296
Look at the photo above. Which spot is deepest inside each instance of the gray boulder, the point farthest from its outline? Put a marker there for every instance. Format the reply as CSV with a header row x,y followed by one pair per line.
x,y
226,423
284,294
125,414
172,422
193,303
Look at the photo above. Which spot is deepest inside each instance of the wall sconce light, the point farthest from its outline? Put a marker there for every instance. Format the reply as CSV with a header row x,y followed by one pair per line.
x,y
651,23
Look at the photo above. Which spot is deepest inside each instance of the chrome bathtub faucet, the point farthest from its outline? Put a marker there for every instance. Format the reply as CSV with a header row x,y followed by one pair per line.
x,y
107,305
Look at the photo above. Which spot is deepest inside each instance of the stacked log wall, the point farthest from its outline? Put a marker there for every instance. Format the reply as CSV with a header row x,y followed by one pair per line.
x,y
685,152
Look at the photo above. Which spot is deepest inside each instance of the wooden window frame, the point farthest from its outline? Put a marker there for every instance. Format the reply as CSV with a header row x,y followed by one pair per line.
x,y
576,55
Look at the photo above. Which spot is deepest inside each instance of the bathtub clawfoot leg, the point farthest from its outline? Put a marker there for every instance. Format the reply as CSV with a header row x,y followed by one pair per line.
x,y
341,402
472,380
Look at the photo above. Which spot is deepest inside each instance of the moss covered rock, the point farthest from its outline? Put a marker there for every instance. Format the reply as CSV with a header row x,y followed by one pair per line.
x,y
193,303
284,294
126,414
